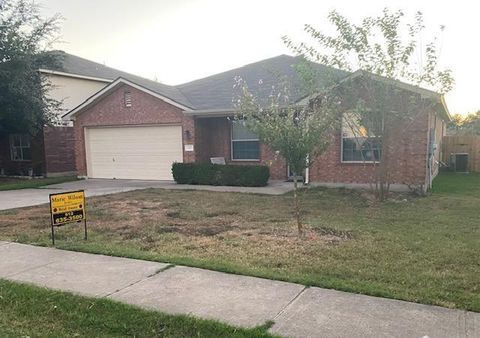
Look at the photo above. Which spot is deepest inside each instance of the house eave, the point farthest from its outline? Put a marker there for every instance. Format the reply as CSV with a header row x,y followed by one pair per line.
x,y
76,76
437,99
210,112
447,115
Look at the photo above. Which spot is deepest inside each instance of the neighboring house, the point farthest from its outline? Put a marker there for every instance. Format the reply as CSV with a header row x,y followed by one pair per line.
x,y
133,128
51,152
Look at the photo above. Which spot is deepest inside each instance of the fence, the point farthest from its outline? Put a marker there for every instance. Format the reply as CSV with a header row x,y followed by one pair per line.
x,y
463,145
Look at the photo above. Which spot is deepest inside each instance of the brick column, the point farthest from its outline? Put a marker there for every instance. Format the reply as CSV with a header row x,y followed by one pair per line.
x,y
188,135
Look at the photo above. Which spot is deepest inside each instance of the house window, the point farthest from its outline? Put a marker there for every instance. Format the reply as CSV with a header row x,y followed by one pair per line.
x,y
20,147
361,140
245,144
127,96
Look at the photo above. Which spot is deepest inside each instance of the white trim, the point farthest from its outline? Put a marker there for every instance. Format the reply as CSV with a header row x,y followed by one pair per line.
x,y
352,162
428,169
243,140
341,149
77,76
21,147
102,126
86,147
359,162
109,87
307,171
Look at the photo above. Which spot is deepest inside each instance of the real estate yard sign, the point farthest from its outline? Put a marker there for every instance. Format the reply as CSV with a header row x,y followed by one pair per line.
x,y
67,207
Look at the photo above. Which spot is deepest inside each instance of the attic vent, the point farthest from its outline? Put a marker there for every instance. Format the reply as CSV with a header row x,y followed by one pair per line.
x,y
127,99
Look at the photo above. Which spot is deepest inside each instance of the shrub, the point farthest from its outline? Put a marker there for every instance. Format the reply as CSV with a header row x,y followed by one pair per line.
x,y
217,174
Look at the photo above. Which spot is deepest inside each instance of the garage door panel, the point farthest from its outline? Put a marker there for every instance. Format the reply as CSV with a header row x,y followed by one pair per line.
x,y
133,152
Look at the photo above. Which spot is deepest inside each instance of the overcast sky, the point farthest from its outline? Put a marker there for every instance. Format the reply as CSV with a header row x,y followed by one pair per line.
x,y
175,41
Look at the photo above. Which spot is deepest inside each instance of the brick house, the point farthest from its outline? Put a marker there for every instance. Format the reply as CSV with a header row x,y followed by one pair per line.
x,y
133,128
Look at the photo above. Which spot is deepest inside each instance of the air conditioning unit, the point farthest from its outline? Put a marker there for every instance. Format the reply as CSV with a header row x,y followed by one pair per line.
x,y
459,162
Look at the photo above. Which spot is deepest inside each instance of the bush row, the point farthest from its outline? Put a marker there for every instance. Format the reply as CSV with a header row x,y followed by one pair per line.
x,y
217,174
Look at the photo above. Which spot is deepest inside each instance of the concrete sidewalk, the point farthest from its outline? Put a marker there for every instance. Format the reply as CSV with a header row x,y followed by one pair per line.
x,y
11,199
238,300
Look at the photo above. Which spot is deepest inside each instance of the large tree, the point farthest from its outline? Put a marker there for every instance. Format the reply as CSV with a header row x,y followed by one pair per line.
x,y
382,50
25,36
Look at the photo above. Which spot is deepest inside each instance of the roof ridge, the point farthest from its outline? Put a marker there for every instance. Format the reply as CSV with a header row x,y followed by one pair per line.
x,y
116,69
235,69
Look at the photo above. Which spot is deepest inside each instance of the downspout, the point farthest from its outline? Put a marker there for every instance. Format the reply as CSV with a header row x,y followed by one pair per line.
x,y
428,169
307,172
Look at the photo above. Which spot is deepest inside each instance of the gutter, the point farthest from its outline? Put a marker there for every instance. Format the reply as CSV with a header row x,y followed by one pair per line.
x,y
444,106
210,112
84,77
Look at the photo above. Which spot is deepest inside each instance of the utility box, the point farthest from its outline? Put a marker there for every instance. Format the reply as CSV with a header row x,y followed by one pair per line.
x,y
459,162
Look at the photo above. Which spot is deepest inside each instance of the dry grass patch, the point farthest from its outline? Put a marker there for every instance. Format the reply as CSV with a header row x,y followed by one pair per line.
x,y
417,249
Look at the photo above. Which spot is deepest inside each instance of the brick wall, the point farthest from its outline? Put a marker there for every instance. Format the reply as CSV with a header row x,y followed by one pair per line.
x,y
214,140
407,165
59,145
145,109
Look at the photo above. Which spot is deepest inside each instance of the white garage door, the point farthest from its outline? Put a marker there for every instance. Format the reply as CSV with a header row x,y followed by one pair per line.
x,y
144,152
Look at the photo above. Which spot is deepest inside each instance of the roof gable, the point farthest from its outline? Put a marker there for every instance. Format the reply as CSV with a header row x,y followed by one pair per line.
x,y
110,88
438,99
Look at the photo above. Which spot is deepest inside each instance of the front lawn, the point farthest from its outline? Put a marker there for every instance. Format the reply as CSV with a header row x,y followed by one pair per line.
x,y
7,183
417,249
28,311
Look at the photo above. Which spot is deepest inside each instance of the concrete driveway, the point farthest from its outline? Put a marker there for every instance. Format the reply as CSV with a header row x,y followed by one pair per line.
x,y
95,187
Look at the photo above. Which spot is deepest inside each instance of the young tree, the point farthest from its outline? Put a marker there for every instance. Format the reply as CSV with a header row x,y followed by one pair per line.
x,y
24,38
298,132
386,50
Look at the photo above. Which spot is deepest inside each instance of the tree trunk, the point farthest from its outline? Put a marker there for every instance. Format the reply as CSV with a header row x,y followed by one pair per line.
x,y
297,206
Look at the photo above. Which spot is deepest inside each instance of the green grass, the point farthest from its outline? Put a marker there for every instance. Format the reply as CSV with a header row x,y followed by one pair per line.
x,y
27,311
457,184
18,183
420,249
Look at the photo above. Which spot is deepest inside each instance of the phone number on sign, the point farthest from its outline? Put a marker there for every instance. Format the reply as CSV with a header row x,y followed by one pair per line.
x,y
68,217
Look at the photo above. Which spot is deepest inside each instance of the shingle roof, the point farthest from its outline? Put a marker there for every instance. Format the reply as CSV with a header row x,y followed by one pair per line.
x,y
76,65
217,91
213,92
